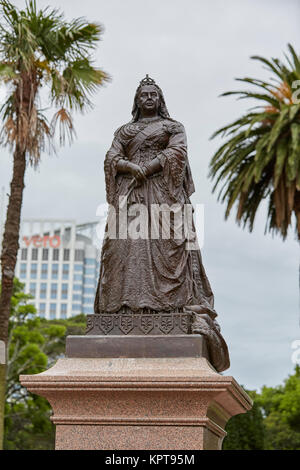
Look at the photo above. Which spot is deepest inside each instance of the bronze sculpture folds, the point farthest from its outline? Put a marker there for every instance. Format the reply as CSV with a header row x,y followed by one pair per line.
x,y
145,275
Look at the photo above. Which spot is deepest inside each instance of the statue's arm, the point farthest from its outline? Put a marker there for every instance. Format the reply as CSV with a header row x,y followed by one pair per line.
x,y
115,154
152,167
172,161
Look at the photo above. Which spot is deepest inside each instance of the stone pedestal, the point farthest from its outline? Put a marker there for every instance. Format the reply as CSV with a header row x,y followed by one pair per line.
x,y
142,402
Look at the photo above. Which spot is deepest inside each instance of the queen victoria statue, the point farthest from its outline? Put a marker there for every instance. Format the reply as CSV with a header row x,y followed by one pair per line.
x,y
152,280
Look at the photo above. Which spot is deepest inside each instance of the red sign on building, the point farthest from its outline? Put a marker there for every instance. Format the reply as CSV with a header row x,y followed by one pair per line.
x,y
53,241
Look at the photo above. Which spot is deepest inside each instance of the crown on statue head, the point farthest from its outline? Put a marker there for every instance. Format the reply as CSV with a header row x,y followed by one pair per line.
x,y
147,81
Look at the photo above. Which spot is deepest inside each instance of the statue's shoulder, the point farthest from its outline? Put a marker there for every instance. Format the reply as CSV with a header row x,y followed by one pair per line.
x,y
126,131
173,127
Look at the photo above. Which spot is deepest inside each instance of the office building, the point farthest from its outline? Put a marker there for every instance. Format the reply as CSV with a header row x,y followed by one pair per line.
x,y
58,262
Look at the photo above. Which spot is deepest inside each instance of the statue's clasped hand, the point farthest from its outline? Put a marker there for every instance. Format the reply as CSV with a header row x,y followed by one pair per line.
x,y
138,173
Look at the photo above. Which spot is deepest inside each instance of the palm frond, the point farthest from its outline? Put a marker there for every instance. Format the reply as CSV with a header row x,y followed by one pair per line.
x,y
81,81
261,155
39,48
63,119
7,72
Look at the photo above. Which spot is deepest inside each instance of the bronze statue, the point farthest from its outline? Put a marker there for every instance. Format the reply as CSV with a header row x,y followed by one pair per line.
x,y
152,285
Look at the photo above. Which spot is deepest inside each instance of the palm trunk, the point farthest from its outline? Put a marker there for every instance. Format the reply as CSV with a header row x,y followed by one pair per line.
x,y
9,254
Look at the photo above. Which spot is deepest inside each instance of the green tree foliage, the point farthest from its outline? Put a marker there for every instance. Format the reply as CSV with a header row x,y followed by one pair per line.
x,y
246,431
34,345
281,407
260,159
274,421
279,435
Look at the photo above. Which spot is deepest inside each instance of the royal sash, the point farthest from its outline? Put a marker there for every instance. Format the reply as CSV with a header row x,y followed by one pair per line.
x,y
141,136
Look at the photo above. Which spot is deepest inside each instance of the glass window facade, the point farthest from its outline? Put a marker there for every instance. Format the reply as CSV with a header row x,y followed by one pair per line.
x,y
90,261
79,255
44,271
53,293
23,270
42,309
66,254
43,290
65,273
76,308
77,287
33,271
64,291
55,271
89,271
52,311
32,288
89,290
63,311
77,297
78,268
88,310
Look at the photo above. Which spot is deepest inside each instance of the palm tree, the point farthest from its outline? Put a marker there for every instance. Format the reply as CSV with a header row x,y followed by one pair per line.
x,y
260,159
39,50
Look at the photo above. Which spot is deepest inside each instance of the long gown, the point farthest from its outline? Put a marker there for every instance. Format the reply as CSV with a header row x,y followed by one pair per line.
x,y
154,274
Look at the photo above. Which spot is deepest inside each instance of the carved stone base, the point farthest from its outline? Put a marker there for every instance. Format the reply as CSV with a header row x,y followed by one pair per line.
x,y
164,403
131,404
174,323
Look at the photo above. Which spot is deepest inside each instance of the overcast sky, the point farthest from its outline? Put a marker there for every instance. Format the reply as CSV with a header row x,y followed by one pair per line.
x,y
194,50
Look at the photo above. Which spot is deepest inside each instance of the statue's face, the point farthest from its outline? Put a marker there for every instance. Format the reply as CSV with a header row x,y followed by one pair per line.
x,y
148,99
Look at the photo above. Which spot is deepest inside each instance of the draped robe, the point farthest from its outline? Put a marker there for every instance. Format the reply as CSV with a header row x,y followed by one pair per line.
x,y
154,274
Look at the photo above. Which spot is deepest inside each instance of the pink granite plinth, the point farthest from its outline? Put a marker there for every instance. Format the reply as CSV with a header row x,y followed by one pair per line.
x,y
139,403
